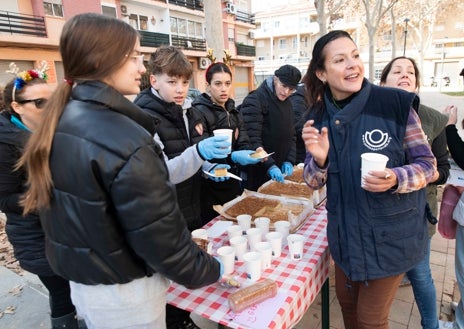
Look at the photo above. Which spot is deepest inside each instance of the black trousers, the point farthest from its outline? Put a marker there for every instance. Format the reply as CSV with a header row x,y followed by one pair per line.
x,y
60,295
175,316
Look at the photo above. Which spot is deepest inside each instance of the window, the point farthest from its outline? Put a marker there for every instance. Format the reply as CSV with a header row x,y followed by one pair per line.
x,y
192,29
174,25
231,34
282,43
181,26
109,11
133,21
143,23
295,42
138,22
53,8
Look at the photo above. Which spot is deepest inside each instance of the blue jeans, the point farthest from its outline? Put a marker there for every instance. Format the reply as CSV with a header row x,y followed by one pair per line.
x,y
459,269
424,292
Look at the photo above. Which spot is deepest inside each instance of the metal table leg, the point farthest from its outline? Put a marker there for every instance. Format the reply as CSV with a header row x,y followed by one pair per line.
x,y
325,305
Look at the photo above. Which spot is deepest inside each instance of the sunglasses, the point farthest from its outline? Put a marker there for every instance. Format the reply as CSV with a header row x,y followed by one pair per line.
x,y
39,102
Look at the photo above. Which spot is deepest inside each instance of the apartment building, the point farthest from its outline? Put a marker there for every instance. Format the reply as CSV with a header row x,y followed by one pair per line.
x,y
287,30
30,30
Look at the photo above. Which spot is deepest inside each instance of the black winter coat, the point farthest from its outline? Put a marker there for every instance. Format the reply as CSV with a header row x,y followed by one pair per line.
x,y
218,117
270,124
175,139
24,232
113,216
300,107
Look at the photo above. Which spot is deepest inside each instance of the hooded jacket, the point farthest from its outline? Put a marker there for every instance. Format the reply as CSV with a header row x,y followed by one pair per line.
x,y
24,232
175,138
218,117
113,216
269,123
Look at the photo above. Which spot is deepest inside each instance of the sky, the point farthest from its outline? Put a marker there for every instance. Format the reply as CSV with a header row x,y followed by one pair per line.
x,y
260,5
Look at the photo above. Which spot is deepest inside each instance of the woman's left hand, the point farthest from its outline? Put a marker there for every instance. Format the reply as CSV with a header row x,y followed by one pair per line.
x,y
379,181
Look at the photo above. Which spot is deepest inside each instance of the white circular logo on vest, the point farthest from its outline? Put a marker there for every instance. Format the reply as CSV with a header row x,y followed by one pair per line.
x,y
376,140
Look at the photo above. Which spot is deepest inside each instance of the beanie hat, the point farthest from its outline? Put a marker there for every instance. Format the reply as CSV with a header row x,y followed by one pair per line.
x,y
289,75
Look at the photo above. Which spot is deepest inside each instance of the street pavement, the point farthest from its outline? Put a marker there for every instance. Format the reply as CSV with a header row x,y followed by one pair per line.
x,y
24,301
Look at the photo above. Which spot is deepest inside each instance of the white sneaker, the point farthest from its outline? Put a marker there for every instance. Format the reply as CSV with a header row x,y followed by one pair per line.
x,y
445,324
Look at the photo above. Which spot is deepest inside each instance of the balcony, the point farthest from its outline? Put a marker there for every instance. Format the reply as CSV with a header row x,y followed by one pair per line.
x,y
15,23
188,43
190,4
153,39
245,17
244,50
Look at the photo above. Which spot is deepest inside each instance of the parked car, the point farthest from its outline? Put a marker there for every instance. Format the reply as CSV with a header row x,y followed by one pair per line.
x,y
193,93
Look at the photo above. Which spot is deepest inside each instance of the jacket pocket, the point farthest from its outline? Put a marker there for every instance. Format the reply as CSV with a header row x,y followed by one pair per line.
x,y
399,240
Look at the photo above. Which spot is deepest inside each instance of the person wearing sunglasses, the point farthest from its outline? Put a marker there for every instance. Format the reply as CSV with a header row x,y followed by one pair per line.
x,y
24,98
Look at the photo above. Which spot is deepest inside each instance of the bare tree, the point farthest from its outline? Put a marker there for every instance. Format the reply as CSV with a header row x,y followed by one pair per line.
x,y
326,8
375,11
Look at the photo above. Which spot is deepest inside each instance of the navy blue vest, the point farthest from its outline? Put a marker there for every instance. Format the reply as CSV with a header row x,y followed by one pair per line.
x,y
371,235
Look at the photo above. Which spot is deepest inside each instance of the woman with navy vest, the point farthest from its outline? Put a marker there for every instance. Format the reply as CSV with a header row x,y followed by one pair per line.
x,y
376,223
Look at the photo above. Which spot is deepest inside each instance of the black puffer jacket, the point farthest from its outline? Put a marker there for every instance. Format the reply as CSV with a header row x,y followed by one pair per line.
x,y
300,107
114,216
218,117
173,135
24,232
269,123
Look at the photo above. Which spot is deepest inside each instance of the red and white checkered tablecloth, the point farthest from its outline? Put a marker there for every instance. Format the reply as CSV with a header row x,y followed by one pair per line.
x,y
300,281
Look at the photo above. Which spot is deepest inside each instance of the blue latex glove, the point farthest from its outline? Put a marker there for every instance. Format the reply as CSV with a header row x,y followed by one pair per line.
x,y
275,173
216,147
221,267
221,178
243,157
287,168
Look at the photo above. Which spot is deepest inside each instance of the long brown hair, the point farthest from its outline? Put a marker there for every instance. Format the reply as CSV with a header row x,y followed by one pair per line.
x,y
89,53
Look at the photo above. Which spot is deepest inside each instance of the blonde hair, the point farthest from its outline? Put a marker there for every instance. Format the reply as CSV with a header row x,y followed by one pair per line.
x,y
88,53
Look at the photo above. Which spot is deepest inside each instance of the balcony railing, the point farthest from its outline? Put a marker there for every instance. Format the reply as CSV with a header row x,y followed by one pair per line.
x,y
153,39
188,43
245,50
191,4
16,23
245,17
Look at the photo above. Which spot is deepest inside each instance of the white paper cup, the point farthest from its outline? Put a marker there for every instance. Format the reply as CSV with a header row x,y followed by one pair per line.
x,y
227,256
252,265
283,227
372,162
275,238
254,236
244,221
226,132
263,224
234,230
239,243
295,246
265,249
200,233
